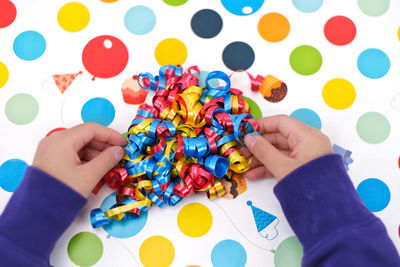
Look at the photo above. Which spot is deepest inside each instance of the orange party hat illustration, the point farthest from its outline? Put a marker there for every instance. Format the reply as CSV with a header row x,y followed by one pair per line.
x,y
63,81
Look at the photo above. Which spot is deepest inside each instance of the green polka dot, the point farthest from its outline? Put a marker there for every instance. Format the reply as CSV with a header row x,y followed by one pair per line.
x,y
85,249
305,60
126,135
175,2
374,8
373,127
22,109
255,109
289,253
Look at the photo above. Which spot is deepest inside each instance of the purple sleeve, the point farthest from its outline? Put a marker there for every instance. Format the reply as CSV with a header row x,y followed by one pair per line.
x,y
330,220
38,213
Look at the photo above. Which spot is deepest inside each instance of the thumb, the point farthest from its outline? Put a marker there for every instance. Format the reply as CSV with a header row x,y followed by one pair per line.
x,y
267,154
105,161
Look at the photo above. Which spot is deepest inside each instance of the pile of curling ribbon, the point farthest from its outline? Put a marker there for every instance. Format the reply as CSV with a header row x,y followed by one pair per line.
x,y
186,142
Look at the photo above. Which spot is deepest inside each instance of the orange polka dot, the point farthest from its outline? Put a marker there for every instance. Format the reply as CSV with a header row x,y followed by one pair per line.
x,y
109,1
273,27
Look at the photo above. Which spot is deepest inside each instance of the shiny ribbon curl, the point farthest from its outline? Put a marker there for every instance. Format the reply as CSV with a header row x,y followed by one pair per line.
x,y
182,144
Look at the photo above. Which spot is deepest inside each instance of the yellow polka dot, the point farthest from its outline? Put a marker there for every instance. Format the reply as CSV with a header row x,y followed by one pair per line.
x,y
339,93
398,33
3,74
171,51
73,17
157,251
194,220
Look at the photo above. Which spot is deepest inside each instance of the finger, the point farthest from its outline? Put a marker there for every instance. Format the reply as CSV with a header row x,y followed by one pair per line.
x,y
277,140
282,124
245,152
104,162
82,134
97,145
257,173
282,145
256,163
87,154
265,152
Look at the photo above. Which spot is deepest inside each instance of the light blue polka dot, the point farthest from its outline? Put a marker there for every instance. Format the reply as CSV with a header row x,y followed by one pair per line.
x,y
373,63
374,193
242,7
228,253
140,20
202,80
11,173
127,227
98,110
308,6
29,45
308,117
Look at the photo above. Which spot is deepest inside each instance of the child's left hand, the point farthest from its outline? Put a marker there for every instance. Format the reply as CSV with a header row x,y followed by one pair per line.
x,y
80,156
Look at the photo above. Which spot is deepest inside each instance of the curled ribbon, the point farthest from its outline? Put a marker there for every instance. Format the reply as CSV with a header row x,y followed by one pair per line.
x,y
184,143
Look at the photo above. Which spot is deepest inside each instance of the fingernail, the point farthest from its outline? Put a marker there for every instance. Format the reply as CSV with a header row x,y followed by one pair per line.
x,y
255,133
118,153
250,140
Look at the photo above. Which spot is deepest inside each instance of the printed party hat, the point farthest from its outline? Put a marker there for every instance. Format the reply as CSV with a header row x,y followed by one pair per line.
x,y
63,81
266,223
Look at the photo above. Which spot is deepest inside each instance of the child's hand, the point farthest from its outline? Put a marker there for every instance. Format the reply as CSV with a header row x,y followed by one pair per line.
x,y
285,145
80,156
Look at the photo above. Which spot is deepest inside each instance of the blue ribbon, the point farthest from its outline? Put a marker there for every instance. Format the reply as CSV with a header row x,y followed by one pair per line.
x,y
216,165
98,218
153,82
218,92
197,147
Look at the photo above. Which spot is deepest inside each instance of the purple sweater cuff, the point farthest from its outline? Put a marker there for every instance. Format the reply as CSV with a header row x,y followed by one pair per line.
x,y
39,212
319,199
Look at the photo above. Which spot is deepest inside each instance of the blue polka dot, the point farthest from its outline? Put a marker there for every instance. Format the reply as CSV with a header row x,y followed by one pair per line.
x,y
11,173
29,45
98,110
242,7
238,56
127,227
373,63
140,20
308,6
206,23
202,80
374,193
228,253
308,117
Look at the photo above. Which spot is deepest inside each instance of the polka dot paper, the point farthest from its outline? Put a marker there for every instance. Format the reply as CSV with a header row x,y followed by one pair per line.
x,y
67,62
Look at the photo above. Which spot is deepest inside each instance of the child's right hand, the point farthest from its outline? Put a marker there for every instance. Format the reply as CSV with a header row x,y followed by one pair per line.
x,y
285,145
80,156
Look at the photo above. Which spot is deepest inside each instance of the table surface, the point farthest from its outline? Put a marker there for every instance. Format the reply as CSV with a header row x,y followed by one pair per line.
x,y
339,59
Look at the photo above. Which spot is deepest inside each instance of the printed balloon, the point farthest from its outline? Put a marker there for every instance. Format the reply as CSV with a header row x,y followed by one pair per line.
x,y
105,56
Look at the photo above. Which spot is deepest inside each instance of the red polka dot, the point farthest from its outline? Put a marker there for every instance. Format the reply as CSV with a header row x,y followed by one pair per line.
x,y
55,130
340,30
8,12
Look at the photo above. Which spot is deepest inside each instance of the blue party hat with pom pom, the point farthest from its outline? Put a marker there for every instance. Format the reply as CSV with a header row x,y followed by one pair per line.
x,y
265,222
